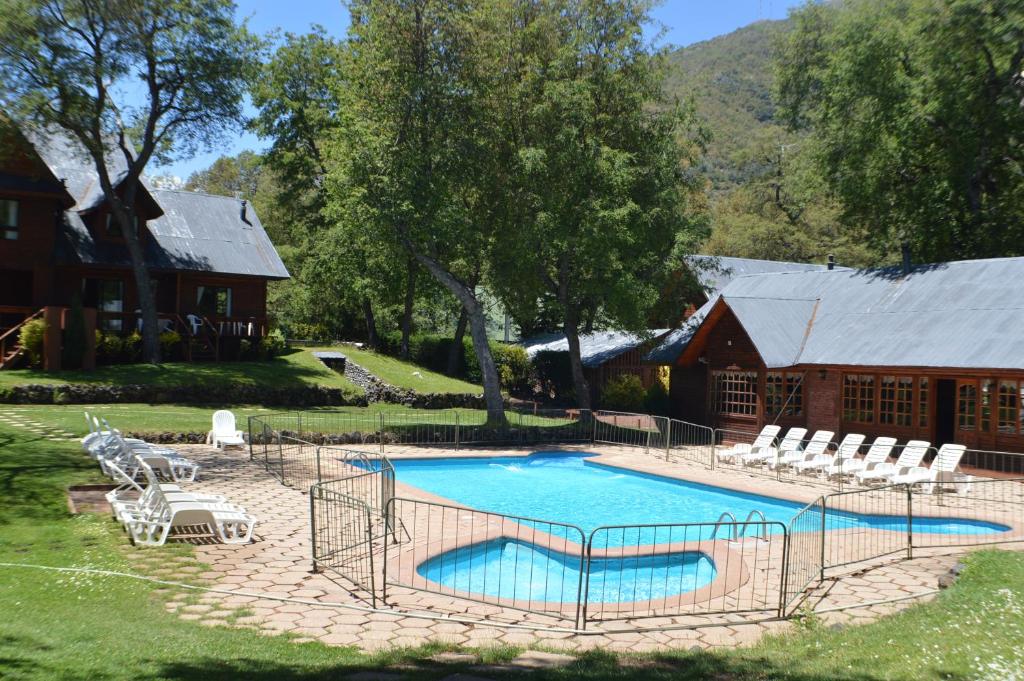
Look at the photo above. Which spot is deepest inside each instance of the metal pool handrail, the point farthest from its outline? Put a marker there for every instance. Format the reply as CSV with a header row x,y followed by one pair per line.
x,y
718,523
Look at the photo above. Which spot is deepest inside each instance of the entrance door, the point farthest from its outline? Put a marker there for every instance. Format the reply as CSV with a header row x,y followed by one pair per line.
x,y
945,411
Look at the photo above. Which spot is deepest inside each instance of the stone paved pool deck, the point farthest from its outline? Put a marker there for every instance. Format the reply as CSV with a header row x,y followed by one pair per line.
x,y
278,566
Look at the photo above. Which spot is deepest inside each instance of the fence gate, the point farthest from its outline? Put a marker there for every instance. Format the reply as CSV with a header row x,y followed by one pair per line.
x,y
804,563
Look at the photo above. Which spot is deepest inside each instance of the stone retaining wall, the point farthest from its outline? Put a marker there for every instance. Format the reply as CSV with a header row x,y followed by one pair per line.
x,y
379,391
302,396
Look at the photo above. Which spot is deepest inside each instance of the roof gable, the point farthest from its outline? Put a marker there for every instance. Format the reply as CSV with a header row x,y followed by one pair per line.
x,y
966,314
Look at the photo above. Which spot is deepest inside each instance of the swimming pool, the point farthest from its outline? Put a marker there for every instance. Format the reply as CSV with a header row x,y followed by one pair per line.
x,y
512,569
569,488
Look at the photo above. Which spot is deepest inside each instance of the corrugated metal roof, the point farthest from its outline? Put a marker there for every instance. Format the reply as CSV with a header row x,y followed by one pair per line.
x,y
776,327
967,314
197,232
595,348
714,273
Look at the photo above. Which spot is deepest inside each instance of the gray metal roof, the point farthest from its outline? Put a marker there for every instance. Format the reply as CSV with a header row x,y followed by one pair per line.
x,y
715,272
595,348
967,314
197,232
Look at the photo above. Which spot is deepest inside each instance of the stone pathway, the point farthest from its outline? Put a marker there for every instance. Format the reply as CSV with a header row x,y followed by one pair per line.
x,y
22,418
277,565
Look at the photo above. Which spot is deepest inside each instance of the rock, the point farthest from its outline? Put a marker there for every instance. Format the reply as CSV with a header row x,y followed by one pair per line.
x,y
947,580
957,569
837,626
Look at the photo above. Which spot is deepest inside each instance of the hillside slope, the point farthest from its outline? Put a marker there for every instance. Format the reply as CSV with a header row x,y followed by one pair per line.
x,y
729,78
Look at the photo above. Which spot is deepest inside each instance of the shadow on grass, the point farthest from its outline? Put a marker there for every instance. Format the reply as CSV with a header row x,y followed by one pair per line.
x,y
591,666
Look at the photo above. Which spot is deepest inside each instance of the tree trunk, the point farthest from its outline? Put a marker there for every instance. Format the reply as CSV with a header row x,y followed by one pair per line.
x,y
455,351
478,331
410,297
579,380
371,325
143,286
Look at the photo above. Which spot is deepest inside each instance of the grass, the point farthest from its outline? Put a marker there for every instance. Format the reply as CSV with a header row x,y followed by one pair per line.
x,y
401,374
78,626
294,369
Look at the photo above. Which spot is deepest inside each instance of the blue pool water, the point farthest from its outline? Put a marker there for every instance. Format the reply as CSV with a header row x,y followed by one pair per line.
x,y
567,488
517,570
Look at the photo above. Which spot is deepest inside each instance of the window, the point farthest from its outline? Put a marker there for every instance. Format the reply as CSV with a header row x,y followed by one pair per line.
x,y
9,219
114,229
214,300
783,394
1008,407
859,398
988,391
922,403
967,402
735,392
110,298
896,400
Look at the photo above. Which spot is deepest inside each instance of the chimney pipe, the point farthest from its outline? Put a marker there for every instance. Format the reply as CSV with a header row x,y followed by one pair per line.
x,y
831,261
905,250
242,212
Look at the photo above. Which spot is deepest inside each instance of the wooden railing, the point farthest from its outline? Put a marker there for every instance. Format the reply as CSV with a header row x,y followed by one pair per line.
x,y
10,339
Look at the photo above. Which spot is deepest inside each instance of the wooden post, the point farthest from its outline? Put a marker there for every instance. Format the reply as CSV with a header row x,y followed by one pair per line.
x,y
51,338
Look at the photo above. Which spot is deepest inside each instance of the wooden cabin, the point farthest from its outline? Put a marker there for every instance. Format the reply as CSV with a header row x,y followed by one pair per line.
x,y
933,352
209,257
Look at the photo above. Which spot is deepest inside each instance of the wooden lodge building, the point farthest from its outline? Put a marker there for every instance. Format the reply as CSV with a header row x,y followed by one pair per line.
x,y
933,352
209,257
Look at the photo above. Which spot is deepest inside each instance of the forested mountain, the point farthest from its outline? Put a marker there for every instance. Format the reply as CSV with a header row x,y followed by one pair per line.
x,y
729,80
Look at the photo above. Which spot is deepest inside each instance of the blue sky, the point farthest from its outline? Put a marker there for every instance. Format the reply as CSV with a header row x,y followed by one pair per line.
x,y
685,22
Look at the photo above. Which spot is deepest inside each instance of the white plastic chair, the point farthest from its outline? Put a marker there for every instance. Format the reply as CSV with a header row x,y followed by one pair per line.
x,y
790,443
130,499
764,440
878,453
944,469
224,434
848,449
911,457
816,446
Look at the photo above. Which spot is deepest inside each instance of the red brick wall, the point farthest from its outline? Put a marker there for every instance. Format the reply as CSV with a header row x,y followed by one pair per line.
x,y
822,400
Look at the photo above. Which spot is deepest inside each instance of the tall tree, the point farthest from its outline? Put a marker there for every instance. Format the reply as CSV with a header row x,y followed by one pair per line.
x,y
412,154
602,188
127,79
914,109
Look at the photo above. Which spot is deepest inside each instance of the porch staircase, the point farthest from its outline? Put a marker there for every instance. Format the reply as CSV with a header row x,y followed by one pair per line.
x,y
204,345
12,354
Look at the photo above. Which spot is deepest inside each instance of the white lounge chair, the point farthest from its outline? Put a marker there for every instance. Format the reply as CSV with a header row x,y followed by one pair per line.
x,y
169,462
151,526
791,442
224,434
131,499
764,440
912,455
816,446
878,453
945,469
848,449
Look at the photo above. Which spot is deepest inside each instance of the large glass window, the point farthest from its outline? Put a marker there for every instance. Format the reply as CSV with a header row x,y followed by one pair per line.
x,y
922,403
8,219
896,400
859,398
988,394
110,299
967,404
214,301
734,392
783,394
1008,407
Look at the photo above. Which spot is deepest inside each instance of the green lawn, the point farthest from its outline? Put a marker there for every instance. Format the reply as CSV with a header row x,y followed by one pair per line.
x,y
77,627
401,374
296,368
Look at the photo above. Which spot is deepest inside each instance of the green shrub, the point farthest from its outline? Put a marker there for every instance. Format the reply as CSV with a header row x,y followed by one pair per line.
x,y
273,344
624,393
656,400
31,339
318,333
513,367
553,374
170,346
113,349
